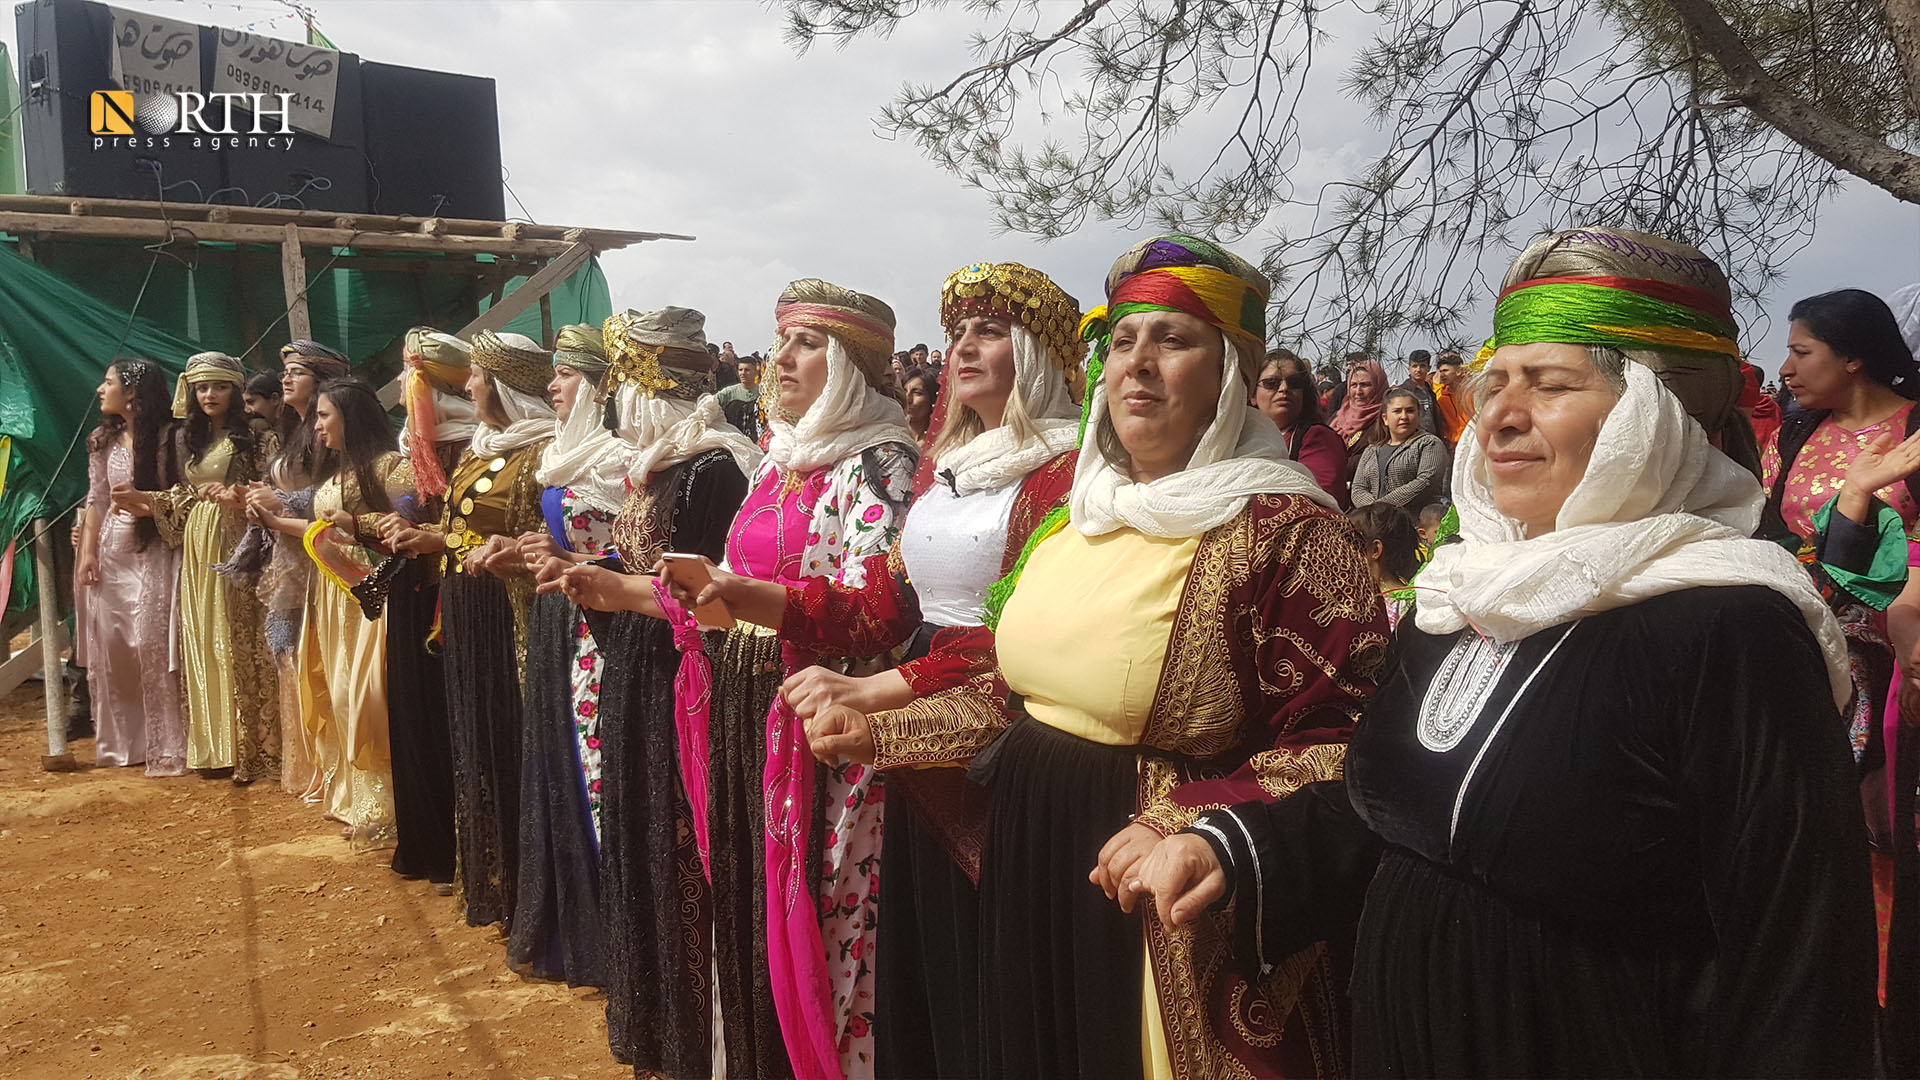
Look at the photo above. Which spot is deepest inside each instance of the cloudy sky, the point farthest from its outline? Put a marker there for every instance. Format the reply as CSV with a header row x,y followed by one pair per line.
x,y
693,116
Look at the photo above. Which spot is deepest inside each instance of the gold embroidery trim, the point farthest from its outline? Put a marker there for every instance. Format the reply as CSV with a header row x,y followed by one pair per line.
x,y
940,729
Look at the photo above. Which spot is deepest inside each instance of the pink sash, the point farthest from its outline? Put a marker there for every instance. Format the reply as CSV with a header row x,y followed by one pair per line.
x,y
796,956
692,700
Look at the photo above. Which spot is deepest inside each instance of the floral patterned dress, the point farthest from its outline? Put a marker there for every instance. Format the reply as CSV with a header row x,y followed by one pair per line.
x,y
587,529
820,917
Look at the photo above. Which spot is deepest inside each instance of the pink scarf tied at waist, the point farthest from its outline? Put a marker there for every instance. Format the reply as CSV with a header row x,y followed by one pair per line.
x,y
692,705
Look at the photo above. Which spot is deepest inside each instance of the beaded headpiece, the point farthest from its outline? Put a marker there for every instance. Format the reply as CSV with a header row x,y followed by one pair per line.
x,y
660,352
1020,293
514,359
864,324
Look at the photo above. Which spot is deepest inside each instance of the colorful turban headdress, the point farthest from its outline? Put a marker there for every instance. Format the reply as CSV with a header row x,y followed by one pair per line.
x,y
1184,273
864,324
1021,294
514,359
1662,303
662,353
435,363
324,362
206,367
581,347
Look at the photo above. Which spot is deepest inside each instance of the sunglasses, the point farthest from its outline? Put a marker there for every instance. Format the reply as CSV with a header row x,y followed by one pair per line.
x,y
1275,384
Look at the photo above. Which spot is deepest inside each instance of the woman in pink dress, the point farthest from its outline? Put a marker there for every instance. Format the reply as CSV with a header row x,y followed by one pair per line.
x,y
830,494
134,674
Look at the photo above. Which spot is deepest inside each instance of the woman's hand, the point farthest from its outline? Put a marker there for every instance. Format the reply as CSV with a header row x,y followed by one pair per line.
x,y
546,574
132,500
1117,870
412,541
837,732
589,586
389,527
1183,877
343,521
813,689
262,499
86,571
535,548
722,586
1888,459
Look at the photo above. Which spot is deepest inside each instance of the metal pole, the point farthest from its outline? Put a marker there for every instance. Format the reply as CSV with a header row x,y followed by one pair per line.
x,y
59,758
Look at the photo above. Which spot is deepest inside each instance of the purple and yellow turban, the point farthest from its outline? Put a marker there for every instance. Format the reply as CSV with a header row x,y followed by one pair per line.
x,y
864,324
1178,272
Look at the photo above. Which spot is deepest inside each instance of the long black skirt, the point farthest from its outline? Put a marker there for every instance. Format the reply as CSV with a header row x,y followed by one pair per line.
x,y
927,963
747,672
653,889
558,931
483,712
1060,965
417,728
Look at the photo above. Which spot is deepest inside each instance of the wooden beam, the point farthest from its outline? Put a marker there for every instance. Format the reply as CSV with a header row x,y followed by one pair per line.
x,y
293,275
24,224
603,239
534,288
546,321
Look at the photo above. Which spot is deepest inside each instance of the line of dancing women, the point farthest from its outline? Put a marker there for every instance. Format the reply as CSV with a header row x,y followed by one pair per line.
x,y
1074,739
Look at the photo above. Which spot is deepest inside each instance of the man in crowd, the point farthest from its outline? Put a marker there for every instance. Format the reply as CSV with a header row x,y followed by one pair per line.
x,y
917,357
1419,384
1452,407
739,401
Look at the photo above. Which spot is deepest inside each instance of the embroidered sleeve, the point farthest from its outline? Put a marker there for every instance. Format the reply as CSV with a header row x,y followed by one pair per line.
x,y
1310,644
957,656
947,728
396,480
171,509
828,619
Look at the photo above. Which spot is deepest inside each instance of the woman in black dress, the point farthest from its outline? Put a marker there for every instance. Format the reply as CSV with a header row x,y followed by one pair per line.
x,y
1597,819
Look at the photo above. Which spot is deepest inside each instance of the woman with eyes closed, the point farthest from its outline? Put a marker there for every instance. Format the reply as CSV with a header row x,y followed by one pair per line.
x,y
1001,461
1598,819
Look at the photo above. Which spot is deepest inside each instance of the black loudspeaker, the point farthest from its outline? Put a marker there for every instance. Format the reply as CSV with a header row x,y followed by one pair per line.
x,y
432,142
316,174
64,49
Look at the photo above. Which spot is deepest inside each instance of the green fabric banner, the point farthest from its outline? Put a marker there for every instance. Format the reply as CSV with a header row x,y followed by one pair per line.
x,y
13,169
65,316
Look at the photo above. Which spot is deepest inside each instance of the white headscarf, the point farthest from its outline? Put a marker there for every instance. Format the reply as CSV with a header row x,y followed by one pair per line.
x,y
1659,510
700,426
585,457
993,458
1235,461
529,419
454,419
848,417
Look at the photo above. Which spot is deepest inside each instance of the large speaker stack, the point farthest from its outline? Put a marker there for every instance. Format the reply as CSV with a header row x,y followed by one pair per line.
x,y
402,140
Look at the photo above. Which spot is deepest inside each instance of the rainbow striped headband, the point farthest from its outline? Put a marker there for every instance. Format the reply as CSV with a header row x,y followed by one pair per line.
x,y
1622,312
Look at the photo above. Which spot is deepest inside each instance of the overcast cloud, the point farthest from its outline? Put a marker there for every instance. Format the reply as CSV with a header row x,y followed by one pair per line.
x,y
692,116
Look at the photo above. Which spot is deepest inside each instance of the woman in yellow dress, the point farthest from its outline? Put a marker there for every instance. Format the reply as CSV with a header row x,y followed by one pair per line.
x,y
232,710
342,651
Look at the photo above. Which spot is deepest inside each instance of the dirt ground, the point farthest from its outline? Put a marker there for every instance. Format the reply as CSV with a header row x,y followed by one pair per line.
x,y
188,929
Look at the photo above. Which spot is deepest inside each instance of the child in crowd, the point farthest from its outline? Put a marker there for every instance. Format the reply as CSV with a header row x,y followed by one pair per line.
x,y
1392,544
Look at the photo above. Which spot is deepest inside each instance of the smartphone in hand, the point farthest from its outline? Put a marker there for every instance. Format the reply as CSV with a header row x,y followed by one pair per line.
x,y
690,572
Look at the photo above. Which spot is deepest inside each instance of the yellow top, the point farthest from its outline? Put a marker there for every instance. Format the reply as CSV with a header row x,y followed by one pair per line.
x,y
1084,637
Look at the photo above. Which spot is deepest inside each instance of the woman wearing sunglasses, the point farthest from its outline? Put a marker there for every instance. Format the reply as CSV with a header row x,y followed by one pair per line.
x,y
1286,394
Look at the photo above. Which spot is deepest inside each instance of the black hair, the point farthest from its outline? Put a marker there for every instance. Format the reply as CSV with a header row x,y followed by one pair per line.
x,y
918,347
200,433
303,457
1419,356
1860,326
367,435
263,384
1448,359
927,376
1295,371
1398,536
156,457
1398,392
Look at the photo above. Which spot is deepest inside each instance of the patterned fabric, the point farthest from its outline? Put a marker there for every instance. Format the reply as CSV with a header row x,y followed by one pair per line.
x,y
1820,469
582,347
514,359
206,367
1019,293
1621,312
589,529
863,323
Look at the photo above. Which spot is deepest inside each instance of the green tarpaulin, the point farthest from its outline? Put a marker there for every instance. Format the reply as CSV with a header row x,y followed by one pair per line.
x,y
65,315
13,172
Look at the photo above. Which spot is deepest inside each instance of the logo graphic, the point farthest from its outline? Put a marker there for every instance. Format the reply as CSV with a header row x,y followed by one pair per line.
x,y
112,112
